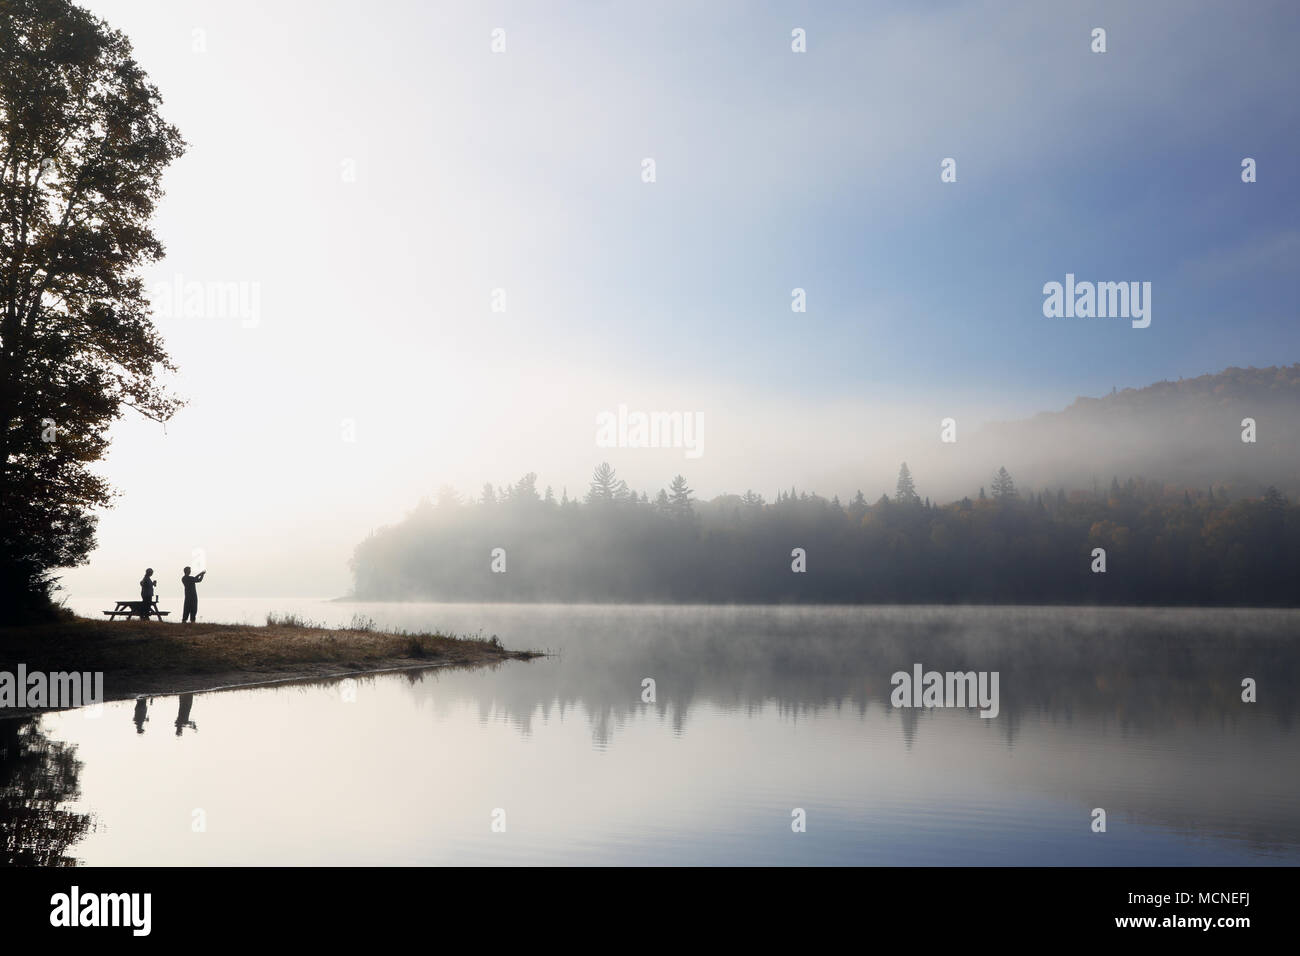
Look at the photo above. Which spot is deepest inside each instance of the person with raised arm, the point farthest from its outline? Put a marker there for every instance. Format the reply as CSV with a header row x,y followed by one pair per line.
x,y
191,608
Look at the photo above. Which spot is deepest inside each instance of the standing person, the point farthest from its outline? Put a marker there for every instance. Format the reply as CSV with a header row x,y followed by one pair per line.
x,y
147,585
191,608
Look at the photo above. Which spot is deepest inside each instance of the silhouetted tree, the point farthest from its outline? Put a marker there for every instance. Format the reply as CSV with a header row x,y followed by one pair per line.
x,y
84,150
906,492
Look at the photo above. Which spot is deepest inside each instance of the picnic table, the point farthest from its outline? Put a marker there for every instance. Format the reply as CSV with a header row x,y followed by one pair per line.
x,y
140,609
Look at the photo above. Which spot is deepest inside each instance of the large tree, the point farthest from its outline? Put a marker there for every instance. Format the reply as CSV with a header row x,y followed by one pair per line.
x,y
83,149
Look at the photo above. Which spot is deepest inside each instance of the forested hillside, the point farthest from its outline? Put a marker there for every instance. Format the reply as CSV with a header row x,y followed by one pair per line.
x,y
1161,546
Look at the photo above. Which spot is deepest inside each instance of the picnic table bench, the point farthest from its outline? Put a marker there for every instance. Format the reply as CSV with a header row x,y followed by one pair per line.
x,y
140,609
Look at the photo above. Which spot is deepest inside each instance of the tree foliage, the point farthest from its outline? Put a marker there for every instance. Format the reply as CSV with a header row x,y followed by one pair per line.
x,y
1165,545
83,149
905,493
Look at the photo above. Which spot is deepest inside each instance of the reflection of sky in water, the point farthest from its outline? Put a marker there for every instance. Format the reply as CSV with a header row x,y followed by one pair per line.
x,y
759,711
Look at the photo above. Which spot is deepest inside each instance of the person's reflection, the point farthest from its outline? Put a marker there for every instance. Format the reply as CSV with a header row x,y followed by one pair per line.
x,y
183,714
141,714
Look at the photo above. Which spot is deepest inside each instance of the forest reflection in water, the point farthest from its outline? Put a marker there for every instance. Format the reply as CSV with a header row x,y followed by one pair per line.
x,y
1137,711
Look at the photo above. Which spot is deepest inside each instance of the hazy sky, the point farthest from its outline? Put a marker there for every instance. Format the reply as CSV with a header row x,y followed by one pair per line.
x,y
370,172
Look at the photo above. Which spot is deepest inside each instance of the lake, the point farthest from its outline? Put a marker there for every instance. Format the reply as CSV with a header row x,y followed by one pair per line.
x,y
761,717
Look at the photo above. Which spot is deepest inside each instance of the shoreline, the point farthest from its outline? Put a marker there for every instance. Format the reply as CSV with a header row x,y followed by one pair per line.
x,y
156,659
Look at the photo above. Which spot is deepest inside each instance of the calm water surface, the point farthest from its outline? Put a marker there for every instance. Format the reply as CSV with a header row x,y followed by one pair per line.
x,y
758,711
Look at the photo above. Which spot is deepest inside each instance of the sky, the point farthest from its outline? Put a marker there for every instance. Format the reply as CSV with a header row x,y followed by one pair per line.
x,y
375,183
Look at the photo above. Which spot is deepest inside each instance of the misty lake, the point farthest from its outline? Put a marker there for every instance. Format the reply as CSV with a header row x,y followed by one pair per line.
x,y
758,712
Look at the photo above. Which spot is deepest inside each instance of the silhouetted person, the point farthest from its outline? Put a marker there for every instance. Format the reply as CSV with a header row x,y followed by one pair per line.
x,y
191,609
183,714
141,714
147,585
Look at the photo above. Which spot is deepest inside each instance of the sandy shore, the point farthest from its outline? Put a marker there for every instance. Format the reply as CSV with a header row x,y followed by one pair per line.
x,y
153,658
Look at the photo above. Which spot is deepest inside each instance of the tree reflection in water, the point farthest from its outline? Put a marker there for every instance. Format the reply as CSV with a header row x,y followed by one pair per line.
x,y
38,778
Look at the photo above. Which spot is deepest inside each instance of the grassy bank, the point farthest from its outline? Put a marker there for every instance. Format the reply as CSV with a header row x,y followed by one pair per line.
x,y
149,657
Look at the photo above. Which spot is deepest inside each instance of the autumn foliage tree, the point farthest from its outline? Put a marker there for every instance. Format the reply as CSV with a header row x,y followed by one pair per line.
x,y
82,152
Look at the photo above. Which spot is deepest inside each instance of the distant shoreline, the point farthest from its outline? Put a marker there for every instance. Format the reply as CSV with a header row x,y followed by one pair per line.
x,y
149,658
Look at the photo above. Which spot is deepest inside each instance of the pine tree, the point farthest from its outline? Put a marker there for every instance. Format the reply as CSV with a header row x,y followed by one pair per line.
x,y
526,489
1003,486
679,498
906,490
606,487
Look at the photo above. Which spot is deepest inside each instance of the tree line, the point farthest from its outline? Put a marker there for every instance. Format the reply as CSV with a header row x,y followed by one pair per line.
x,y
1158,545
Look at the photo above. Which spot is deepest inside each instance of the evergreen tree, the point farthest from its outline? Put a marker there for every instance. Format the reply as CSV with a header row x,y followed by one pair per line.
x,y
525,492
679,498
906,490
1003,486
606,487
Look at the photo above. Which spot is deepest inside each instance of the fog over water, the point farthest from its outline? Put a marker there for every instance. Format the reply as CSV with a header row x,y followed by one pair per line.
x,y
757,711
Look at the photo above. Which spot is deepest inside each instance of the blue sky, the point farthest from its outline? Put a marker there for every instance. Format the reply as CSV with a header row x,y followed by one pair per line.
x,y
1115,166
